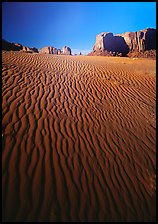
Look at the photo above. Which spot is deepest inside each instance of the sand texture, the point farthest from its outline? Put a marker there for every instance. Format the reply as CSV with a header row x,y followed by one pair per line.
x,y
78,138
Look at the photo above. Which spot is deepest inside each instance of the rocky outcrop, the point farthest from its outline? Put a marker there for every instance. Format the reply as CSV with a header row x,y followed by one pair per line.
x,y
105,53
25,48
145,54
17,47
100,41
109,42
34,49
10,46
46,50
59,51
55,51
66,50
30,50
124,43
141,40
49,50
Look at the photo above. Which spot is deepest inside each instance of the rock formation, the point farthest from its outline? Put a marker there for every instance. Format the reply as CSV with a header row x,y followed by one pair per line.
x,y
46,50
55,51
17,47
34,49
29,49
127,42
106,41
49,50
58,51
66,50
141,54
25,48
10,46
141,40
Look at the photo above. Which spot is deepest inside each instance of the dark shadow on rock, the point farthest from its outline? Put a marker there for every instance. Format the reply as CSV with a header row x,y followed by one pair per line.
x,y
115,44
121,45
150,40
10,46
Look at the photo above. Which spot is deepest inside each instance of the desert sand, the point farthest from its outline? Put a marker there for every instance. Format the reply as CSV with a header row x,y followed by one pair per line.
x,y
78,138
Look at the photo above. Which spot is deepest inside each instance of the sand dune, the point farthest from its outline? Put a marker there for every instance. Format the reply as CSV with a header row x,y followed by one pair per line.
x,y
78,137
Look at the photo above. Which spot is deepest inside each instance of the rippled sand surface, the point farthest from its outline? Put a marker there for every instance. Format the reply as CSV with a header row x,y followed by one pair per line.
x,y
78,138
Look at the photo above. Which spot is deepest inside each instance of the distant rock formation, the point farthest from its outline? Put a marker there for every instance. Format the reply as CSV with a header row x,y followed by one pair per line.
x,y
128,42
25,48
46,50
29,50
34,49
10,46
59,51
50,50
55,51
66,50
17,47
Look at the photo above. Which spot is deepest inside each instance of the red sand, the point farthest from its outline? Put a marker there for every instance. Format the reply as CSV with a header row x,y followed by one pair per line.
x,y
79,138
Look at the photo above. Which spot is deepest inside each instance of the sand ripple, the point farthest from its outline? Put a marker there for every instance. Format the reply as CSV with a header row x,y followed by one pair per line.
x,y
78,138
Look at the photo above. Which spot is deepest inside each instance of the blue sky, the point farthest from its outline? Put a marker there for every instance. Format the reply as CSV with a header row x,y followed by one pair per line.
x,y
75,24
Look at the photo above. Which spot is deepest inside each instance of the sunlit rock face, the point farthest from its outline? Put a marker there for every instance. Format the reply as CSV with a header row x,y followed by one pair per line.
x,y
46,50
66,50
141,40
127,42
55,51
49,50
29,49
58,51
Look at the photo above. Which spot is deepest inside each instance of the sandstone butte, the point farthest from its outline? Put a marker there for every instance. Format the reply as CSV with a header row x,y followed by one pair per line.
x,y
46,50
143,40
126,44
